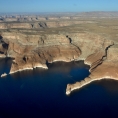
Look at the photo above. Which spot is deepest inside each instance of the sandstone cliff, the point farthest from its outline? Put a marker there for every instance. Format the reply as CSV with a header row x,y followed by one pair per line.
x,y
102,66
47,48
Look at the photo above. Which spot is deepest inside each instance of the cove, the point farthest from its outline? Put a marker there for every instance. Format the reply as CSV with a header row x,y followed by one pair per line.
x,y
41,93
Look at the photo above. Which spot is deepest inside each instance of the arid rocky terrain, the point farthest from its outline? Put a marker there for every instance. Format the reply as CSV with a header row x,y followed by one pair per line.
x,y
34,41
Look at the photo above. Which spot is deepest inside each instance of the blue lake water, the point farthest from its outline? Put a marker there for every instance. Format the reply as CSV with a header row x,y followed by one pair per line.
x,y
41,93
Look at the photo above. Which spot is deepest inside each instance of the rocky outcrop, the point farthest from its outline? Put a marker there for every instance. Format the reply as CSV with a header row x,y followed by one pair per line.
x,y
41,56
29,53
4,74
102,66
89,44
107,70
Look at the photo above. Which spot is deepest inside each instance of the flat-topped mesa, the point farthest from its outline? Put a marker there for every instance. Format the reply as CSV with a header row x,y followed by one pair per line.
x,y
36,24
15,25
54,24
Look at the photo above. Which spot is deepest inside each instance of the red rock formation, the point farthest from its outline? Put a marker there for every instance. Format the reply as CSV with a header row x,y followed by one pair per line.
x,y
102,66
30,51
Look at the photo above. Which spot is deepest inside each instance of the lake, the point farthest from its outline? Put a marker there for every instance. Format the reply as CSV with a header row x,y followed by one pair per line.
x,y
41,93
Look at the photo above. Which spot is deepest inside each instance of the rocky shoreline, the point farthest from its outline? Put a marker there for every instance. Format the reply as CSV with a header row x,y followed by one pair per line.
x,y
72,87
44,66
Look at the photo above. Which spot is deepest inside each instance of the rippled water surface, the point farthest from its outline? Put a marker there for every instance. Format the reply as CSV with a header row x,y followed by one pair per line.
x,y
41,93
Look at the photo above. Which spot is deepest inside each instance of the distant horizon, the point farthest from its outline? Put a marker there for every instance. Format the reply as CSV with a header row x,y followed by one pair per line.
x,y
60,12
57,12
63,6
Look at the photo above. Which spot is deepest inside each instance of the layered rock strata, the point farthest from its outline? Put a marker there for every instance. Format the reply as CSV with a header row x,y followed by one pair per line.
x,y
40,24
102,66
28,53
31,51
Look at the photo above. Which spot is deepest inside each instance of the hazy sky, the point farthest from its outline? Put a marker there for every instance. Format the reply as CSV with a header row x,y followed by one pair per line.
x,y
57,5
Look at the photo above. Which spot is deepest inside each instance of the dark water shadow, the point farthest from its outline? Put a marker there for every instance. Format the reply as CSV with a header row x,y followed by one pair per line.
x,y
5,65
41,93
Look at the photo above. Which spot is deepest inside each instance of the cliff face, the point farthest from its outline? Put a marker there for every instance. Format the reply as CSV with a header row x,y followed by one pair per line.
x,y
36,51
89,43
30,51
103,65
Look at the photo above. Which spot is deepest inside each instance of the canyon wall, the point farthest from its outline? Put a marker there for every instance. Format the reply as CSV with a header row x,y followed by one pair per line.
x,y
30,51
